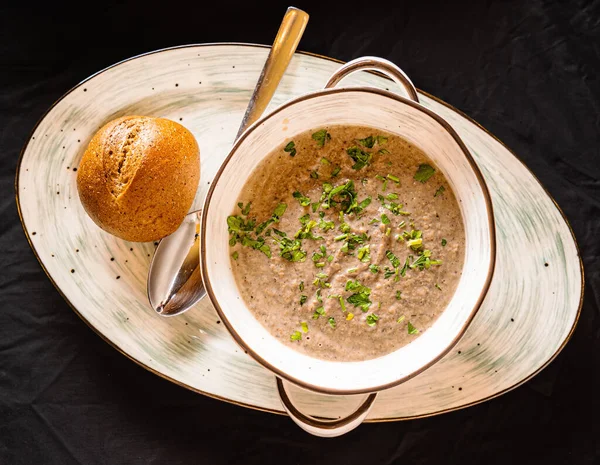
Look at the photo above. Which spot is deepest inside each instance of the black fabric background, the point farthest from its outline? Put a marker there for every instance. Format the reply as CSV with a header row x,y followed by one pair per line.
x,y
527,71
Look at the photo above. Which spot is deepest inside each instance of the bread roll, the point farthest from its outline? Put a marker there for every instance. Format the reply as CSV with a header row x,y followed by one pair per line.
x,y
138,177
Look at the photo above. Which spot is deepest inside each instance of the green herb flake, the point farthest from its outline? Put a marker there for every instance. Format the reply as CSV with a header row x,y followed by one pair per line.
x,y
336,171
398,295
364,254
396,179
388,231
412,329
401,224
424,261
392,196
304,326
440,191
314,174
372,319
296,336
374,221
438,286
331,322
234,255
424,172
321,137
301,286
381,140
392,258
400,320
360,298
374,268
325,161
367,142
304,201
384,152
291,250
320,311
385,219
290,148
351,270
303,299
360,157
444,242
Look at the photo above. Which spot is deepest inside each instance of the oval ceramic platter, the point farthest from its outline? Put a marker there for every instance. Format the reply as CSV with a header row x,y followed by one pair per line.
x,y
527,317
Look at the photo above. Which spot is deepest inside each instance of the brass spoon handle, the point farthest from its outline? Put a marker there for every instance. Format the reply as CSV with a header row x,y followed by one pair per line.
x,y
285,43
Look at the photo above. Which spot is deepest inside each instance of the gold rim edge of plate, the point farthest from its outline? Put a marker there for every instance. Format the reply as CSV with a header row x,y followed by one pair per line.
x,y
254,407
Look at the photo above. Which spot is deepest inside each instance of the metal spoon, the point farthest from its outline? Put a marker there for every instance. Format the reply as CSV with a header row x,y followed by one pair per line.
x,y
174,280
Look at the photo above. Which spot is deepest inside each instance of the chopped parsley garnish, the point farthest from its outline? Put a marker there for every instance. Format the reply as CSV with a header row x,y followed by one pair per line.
x,y
384,151
234,255
437,286
364,254
374,268
245,210
351,270
340,298
381,140
412,329
277,214
304,201
424,261
396,179
321,280
326,225
400,320
367,142
413,239
304,326
331,322
306,231
360,298
290,148
444,242
440,191
319,298
325,161
321,137
349,316
388,231
385,219
258,244
296,336
352,240
336,171
314,174
360,157
291,250
304,219
398,295
424,172
401,224
392,196
374,221
372,319
303,299
318,312
389,272
405,267
301,286
392,258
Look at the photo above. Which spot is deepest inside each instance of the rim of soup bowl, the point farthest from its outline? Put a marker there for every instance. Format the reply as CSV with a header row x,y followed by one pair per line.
x,y
489,213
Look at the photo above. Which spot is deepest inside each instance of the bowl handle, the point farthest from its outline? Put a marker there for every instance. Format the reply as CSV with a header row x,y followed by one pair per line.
x,y
325,428
375,64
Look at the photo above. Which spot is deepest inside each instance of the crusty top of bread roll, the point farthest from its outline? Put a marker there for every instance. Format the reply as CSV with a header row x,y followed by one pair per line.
x,y
138,177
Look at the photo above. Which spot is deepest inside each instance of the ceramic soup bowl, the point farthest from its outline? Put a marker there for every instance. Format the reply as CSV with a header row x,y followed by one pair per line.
x,y
390,113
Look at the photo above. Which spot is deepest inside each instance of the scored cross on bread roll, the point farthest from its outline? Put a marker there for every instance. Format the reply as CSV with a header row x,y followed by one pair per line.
x,y
138,177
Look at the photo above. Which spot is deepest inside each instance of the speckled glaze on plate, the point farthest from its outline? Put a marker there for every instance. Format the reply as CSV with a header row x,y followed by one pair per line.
x,y
527,317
